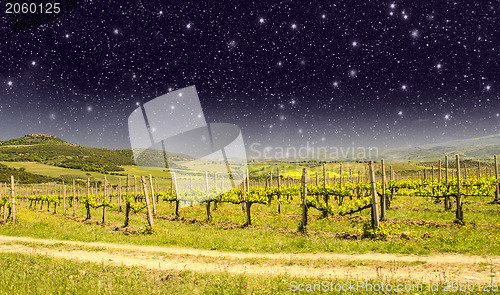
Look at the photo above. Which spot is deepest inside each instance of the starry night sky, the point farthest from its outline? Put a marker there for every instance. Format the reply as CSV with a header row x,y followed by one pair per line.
x,y
331,73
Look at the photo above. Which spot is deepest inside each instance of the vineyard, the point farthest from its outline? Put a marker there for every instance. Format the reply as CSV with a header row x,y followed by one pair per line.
x,y
337,196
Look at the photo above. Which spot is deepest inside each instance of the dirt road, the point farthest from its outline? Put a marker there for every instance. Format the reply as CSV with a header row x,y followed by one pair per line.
x,y
320,265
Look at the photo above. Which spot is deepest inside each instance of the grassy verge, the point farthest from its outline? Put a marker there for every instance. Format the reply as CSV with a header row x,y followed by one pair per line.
x,y
34,274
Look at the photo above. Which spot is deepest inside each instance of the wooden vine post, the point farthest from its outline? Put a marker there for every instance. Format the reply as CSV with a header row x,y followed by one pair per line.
x,y
341,172
459,213
5,206
248,203
177,201
127,203
325,196
447,204
148,205
279,191
64,198
375,217
87,204
119,194
497,191
104,198
208,201
153,199
13,199
73,201
383,197
215,187
303,224
55,203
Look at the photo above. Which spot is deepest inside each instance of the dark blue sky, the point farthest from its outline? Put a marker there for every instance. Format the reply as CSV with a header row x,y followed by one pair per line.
x,y
334,73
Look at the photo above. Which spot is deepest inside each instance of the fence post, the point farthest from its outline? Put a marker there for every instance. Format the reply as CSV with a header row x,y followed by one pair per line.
x,y
375,217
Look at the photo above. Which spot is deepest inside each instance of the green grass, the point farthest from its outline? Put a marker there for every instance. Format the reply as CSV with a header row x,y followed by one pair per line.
x,y
35,274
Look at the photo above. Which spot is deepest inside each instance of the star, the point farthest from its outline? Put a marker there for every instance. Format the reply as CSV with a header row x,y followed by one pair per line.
x,y
404,87
293,26
400,113
488,87
89,109
262,20
66,36
232,44
439,66
336,84
10,83
116,31
161,12
393,5
447,117
33,63
415,33
354,43
188,26
353,73
323,16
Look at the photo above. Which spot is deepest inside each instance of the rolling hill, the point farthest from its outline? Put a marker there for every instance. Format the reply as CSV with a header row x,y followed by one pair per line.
x,y
475,148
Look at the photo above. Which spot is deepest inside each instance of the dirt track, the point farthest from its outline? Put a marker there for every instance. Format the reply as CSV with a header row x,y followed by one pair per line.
x,y
321,265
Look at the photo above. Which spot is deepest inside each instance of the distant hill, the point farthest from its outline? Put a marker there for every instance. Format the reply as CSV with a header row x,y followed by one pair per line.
x,y
49,149
31,139
474,148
